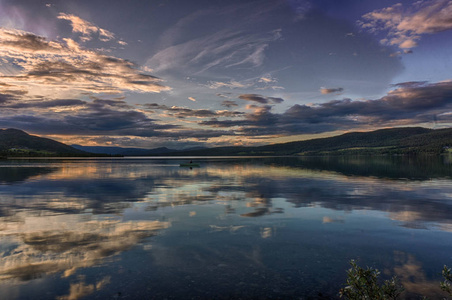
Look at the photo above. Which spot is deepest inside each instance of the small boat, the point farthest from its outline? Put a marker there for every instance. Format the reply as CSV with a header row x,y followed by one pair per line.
x,y
190,165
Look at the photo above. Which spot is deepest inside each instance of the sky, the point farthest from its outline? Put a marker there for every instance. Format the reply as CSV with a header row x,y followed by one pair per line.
x,y
183,74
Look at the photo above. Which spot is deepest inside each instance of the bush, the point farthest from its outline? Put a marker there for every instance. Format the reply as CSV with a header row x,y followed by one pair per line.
x,y
363,284
446,284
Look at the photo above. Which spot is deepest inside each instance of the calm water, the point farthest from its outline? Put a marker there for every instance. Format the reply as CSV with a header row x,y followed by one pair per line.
x,y
233,228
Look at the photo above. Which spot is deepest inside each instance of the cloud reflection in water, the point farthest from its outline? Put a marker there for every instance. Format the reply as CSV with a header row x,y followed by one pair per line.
x,y
81,214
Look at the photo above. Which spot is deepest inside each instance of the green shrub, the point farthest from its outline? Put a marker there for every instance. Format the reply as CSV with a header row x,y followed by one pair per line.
x,y
363,284
446,284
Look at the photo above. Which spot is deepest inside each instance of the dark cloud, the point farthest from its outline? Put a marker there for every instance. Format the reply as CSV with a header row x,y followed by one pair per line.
x,y
97,117
9,92
26,41
11,103
228,103
260,99
255,123
411,84
409,103
110,120
4,98
110,102
100,118
182,112
331,90
44,104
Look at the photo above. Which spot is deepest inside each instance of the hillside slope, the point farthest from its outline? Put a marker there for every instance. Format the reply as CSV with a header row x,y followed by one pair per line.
x,y
408,140
14,142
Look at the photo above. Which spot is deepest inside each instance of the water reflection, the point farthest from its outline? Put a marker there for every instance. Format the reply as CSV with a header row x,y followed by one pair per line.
x,y
412,276
36,245
11,175
65,217
81,289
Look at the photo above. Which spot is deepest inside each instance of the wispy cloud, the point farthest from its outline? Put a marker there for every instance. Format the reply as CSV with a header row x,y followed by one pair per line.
x,y
87,29
232,84
225,49
269,82
406,25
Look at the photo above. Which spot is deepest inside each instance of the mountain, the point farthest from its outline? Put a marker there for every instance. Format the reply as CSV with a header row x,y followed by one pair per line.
x,y
394,141
14,142
408,140
124,151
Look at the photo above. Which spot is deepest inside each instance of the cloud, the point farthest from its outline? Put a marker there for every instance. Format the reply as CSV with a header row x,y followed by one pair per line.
x,y
9,92
326,220
409,103
192,99
80,289
43,251
260,99
109,117
86,28
225,49
17,40
72,116
55,69
269,82
326,91
182,112
261,119
231,84
43,104
228,103
405,26
267,79
260,83
398,53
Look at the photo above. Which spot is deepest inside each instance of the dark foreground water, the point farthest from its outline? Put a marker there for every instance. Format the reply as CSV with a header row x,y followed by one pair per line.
x,y
233,228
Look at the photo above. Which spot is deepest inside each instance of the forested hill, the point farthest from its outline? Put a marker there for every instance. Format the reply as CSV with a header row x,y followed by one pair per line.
x,y
14,142
408,140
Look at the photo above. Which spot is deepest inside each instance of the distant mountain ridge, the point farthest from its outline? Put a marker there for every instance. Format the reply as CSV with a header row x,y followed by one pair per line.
x,y
394,141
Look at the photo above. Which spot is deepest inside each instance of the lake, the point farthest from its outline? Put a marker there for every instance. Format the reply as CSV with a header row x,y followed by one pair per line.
x,y
146,228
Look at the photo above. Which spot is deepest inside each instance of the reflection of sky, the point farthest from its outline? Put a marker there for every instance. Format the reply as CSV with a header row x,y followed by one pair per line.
x,y
250,221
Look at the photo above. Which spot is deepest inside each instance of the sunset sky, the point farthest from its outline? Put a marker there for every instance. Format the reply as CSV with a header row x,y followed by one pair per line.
x,y
181,73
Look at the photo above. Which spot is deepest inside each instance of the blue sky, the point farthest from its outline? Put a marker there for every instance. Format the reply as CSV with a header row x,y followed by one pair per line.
x,y
210,73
